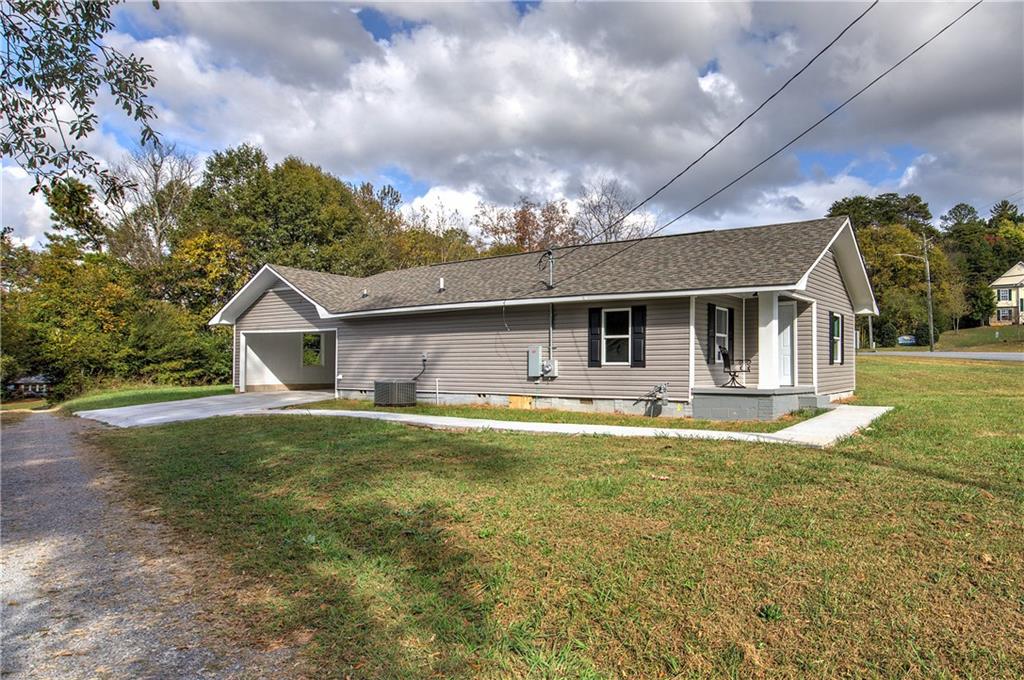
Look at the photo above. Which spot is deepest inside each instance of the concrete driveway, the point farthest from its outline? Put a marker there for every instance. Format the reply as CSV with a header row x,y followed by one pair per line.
x,y
976,356
203,407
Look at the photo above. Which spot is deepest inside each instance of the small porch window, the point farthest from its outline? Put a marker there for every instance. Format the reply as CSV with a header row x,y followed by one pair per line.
x,y
615,341
835,355
312,349
721,332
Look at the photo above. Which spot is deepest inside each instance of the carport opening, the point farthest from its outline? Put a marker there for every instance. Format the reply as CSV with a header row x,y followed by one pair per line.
x,y
289,360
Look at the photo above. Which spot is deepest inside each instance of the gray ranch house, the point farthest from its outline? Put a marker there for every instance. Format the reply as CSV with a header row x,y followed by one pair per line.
x,y
774,304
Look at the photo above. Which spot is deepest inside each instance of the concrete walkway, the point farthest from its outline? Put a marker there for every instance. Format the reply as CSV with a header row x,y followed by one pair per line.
x,y
966,356
203,407
818,432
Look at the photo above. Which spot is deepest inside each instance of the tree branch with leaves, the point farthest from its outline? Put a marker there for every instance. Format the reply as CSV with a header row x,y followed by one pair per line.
x,y
55,63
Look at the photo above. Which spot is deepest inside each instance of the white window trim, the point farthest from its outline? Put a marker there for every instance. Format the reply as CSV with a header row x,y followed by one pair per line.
x,y
1009,314
302,350
837,356
718,333
1000,292
628,336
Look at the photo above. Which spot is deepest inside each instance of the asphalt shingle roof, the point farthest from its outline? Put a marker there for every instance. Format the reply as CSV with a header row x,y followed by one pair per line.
x,y
777,254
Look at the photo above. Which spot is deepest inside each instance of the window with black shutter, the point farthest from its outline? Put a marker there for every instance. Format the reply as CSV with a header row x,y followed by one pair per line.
x,y
835,338
712,349
594,337
638,337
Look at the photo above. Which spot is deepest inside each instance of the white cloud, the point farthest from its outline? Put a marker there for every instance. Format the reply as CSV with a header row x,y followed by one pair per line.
x,y
23,210
479,102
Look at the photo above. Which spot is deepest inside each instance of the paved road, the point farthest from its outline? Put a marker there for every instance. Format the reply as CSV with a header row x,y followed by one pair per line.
x,y
981,356
91,591
203,407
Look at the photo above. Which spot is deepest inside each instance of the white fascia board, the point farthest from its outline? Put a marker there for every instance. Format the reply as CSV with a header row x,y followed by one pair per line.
x,y
250,293
850,242
520,302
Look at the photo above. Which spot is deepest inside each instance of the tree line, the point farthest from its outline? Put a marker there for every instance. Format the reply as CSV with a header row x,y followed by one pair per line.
x,y
127,279
967,251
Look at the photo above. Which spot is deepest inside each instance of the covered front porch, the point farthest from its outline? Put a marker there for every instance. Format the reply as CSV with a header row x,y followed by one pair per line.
x,y
755,355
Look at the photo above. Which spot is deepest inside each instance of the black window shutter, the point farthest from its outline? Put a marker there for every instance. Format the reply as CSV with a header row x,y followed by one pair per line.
x,y
831,345
842,339
638,339
732,334
712,350
594,338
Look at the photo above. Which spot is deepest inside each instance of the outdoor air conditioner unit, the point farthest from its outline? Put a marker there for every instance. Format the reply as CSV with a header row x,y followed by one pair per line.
x,y
394,393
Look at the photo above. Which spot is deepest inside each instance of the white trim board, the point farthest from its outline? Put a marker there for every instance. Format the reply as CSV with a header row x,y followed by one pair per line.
x,y
245,298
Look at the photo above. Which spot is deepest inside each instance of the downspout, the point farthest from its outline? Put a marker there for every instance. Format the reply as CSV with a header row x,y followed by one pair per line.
x,y
551,331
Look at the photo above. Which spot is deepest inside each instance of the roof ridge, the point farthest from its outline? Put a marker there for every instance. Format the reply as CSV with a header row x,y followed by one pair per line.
x,y
629,240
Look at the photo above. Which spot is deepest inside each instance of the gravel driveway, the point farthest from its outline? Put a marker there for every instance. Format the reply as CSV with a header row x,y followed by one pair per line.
x,y
89,589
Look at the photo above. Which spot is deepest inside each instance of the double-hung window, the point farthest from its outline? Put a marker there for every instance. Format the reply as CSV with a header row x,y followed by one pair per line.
x,y
1004,314
312,349
1004,294
835,338
615,343
721,332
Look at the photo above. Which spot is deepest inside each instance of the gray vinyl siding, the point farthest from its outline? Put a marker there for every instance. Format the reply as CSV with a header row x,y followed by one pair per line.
x,y
750,316
826,286
712,374
804,344
282,309
484,351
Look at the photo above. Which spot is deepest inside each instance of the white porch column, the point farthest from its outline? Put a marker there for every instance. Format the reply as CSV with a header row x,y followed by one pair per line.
x,y
767,340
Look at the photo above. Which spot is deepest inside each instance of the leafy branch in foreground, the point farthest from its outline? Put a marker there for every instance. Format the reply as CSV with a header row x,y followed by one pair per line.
x,y
55,62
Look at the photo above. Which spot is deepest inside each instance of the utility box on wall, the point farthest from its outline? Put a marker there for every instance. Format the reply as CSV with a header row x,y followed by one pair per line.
x,y
537,366
535,361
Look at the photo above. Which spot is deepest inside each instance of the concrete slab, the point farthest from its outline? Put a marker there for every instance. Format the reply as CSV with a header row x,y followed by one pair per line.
x,y
818,432
828,428
454,423
203,407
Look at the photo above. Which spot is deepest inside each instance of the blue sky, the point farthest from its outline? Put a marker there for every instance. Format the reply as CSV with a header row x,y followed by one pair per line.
x,y
461,103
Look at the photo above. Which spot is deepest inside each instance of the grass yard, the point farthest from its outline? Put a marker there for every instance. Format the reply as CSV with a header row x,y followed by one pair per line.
x,y
140,394
411,553
553,416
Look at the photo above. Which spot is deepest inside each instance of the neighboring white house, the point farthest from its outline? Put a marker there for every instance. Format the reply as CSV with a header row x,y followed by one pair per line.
x,y
1009,292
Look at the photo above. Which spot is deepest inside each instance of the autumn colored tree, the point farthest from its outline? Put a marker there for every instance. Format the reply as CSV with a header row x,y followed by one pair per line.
x,y
527,226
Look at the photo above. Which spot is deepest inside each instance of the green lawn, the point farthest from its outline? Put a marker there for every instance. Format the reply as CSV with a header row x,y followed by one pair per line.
x,y
553,416
144,394
20,404
981,339
411,553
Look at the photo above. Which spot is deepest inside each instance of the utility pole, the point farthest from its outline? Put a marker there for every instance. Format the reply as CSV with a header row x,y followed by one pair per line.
x,y
928,282
928,279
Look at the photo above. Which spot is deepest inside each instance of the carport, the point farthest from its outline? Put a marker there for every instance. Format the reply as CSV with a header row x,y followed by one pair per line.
x,y
287,359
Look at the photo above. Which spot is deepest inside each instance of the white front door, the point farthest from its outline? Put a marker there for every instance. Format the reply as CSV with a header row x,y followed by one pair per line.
x,y
787,342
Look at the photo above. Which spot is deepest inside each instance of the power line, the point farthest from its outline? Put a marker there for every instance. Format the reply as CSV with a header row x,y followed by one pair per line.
x,y
786,145
728,134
